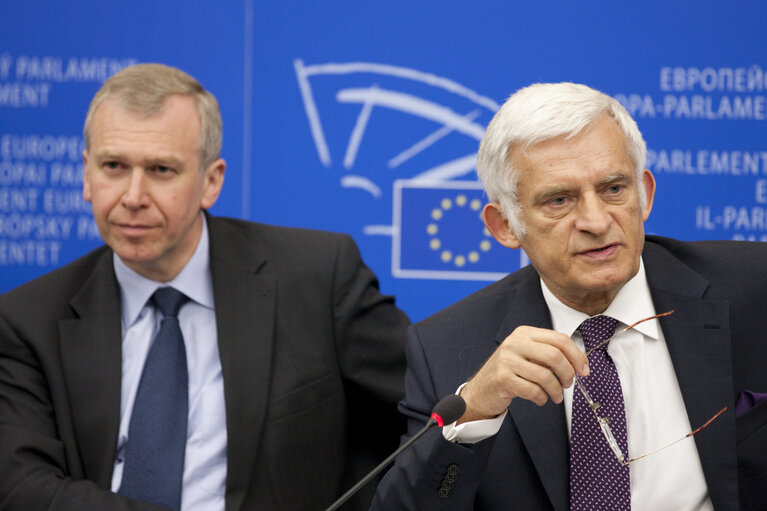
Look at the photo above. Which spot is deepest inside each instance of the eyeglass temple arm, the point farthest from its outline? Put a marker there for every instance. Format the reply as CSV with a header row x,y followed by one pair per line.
x,y
604,422
657,316
688,435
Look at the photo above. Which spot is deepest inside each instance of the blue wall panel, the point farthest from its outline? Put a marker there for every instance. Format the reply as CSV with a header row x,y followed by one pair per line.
x,y
365,118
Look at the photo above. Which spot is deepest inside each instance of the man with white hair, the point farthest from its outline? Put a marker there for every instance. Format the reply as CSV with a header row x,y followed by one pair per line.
x,y
586,374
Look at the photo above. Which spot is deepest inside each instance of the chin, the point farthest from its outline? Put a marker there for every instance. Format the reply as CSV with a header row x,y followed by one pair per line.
x,y
135,255
612,282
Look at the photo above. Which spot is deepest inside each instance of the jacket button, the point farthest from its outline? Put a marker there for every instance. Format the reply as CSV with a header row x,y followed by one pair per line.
x,y
451,476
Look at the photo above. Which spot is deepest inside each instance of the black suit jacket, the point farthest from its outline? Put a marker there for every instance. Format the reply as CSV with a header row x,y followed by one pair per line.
x,y
717,339
308,347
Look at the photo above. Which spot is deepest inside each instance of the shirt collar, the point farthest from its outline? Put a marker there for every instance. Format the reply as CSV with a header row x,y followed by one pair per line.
x,y
632,303
194,281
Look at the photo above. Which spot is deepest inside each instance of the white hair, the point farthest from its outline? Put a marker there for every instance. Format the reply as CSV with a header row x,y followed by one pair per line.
x,y
541,112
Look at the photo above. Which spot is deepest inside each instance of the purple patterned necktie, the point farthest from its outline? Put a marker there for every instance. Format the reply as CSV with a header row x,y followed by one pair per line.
x,y
597,480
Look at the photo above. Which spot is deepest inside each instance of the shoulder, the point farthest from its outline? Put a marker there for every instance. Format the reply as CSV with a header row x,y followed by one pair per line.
x,y
272,236
704,255
53,291
733,267
709,248
294,253
483,309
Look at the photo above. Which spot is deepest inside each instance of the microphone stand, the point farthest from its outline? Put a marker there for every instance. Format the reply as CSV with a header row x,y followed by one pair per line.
x,y
354,489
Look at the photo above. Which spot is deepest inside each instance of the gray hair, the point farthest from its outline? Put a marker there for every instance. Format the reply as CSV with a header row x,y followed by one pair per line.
x,y
541,112
145,89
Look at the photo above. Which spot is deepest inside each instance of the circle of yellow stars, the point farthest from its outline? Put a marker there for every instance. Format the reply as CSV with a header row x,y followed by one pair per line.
x,y
435,243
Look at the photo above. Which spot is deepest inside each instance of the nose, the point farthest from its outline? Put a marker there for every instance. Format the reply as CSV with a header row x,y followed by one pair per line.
x,y
135,194
592,214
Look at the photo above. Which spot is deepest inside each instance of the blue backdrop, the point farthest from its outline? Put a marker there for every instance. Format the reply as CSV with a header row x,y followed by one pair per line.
x,y
365,117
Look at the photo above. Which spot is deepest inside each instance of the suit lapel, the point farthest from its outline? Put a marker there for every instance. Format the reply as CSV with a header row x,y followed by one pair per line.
x,y
543,429
91,359
245,308
698,340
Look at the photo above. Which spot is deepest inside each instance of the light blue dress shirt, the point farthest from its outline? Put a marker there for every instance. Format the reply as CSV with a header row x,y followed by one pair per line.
x,y
205,463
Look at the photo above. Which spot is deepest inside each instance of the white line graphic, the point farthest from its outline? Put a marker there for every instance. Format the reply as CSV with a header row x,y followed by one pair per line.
x,y
378,230
304,72
311,113
358,131
427,142
410,104
455,168
400,72
363,183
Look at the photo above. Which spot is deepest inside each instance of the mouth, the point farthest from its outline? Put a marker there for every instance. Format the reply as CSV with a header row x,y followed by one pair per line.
x,y
133,229
602,252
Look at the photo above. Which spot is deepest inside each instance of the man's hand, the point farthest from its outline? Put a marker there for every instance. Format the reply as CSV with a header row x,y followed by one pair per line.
x,y
531,363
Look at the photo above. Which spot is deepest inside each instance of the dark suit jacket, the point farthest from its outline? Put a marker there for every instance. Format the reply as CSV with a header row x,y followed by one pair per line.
x,y
717,339
308,346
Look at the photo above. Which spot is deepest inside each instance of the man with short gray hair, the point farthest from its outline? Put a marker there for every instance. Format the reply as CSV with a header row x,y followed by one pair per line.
x,y
587,373
193,363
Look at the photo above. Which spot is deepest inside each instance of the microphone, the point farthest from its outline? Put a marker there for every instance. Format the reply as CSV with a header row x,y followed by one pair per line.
x,y
448,410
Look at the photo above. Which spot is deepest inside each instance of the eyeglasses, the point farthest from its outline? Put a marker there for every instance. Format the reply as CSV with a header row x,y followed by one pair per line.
x,y
604,422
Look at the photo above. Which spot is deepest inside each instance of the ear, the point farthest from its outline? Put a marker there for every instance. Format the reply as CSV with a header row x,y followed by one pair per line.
x,y
498,226
213,180
648,182
86,181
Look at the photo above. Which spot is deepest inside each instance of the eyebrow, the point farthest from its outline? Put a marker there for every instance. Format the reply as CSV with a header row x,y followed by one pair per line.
x,y
550,193
163,160
556,191
108,155
618,178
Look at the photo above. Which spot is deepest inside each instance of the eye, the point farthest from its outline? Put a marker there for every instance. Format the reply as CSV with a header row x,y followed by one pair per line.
x,y
614,189
161,170
558,201
112,166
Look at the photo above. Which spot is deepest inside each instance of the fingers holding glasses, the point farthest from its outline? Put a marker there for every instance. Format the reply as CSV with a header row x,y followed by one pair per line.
x,y
531,363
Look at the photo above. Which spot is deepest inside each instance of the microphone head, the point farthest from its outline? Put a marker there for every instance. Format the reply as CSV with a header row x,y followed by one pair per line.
x,y
448,410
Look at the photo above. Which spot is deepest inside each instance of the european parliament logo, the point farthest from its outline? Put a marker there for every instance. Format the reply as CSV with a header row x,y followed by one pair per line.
x,y
400,139
439,233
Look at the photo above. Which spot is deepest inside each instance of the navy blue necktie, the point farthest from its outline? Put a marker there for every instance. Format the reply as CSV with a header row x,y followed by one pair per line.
x,y
154,453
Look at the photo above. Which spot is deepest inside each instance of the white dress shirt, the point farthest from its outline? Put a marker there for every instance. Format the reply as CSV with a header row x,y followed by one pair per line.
x,y
671,479
205,462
